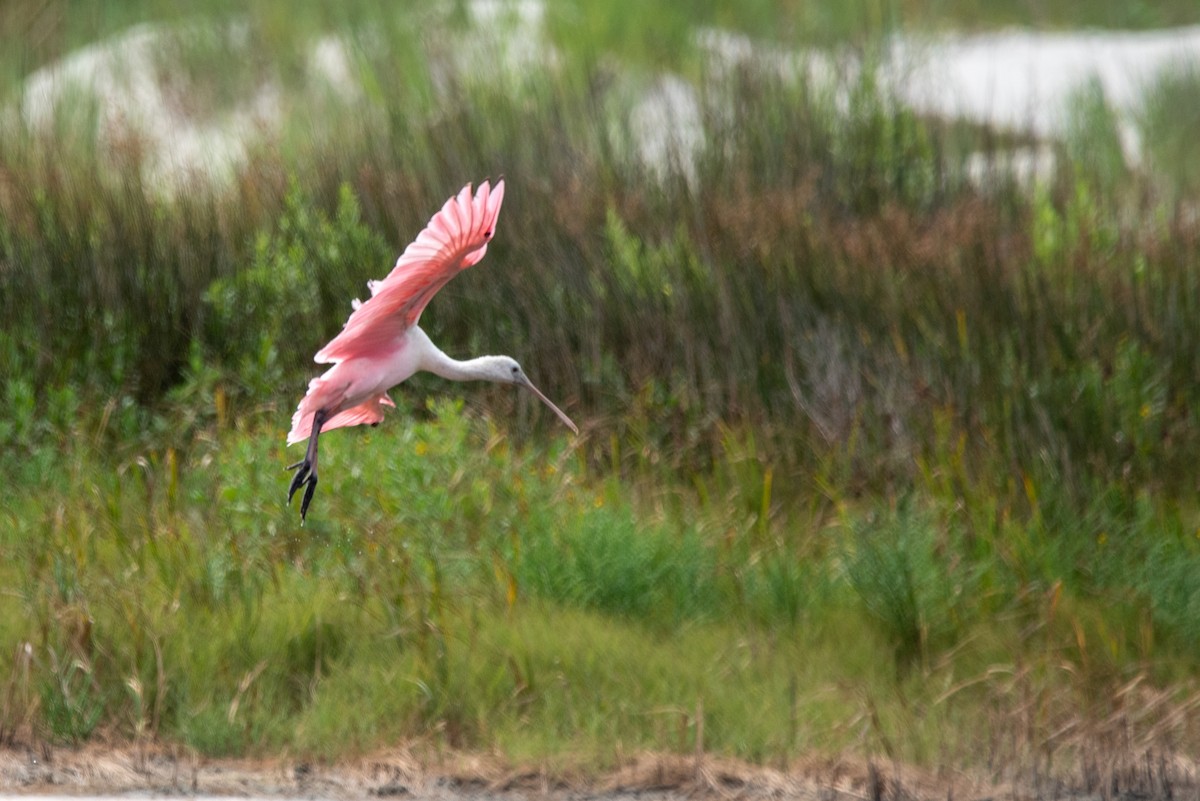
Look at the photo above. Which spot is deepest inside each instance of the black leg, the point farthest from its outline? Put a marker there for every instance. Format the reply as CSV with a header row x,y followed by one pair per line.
x,y
307,472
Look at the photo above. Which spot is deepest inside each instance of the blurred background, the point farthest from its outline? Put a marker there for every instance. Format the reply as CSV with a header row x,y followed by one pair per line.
x,y
881,321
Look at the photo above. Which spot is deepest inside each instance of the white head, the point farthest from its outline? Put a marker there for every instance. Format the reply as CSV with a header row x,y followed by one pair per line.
x,y
505,370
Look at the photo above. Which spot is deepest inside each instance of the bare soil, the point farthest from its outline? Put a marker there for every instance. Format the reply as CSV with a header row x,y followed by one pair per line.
x,y
95,770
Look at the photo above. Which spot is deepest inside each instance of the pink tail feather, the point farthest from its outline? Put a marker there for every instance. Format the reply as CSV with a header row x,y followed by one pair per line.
x,y
369,411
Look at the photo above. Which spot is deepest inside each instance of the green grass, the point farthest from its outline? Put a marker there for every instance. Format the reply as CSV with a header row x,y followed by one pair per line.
x,y
868,452
463,591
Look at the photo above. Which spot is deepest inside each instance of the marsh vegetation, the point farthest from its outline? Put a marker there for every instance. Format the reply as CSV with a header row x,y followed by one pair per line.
x,y
874,457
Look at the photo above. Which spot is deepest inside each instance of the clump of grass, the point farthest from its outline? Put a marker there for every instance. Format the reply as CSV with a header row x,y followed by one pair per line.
x,y
917,596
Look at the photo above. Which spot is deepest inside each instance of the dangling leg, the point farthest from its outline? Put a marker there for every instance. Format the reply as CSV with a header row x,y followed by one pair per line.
x,y
307,474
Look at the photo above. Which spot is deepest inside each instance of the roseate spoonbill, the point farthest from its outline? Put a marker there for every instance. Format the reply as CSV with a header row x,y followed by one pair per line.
x,y
381,344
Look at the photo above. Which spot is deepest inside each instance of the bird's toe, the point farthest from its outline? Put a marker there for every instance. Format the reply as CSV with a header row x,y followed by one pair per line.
x,y
308,494
298,480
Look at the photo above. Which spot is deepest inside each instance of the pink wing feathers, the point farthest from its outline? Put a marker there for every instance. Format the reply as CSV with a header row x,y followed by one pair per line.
x,y
455,238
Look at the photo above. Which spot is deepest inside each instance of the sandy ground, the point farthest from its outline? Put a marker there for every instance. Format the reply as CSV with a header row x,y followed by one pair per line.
x,y
100,773
399,774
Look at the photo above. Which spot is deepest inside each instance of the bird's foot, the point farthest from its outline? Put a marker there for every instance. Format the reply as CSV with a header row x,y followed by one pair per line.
x,y
306,474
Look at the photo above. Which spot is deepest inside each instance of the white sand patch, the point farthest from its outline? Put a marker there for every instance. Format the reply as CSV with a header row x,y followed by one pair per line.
x,y
668,129
113,92
1027,81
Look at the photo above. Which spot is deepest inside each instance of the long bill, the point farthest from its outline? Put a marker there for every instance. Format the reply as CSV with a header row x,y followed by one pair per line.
x,y
561,414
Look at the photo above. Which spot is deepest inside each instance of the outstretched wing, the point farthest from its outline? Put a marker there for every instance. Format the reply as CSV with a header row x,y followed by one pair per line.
x,y
455,238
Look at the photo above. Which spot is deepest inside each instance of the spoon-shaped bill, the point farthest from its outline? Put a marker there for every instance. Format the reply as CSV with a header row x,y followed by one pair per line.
x,y
561,414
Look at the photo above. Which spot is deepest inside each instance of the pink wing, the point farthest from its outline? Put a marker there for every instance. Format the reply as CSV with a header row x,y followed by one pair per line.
x,y
455,238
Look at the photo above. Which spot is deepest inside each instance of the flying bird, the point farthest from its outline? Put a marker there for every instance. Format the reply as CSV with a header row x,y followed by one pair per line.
x,y
381,344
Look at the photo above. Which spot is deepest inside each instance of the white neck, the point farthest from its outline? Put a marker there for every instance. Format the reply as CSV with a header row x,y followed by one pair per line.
x,y
477,369
433,360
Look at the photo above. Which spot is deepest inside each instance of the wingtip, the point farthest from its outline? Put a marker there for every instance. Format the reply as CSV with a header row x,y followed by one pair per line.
x,y
492,196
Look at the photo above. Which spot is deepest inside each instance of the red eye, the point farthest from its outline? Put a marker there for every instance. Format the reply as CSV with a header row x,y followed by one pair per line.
x,y
487,234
